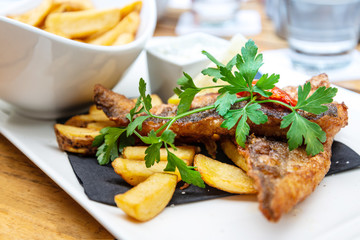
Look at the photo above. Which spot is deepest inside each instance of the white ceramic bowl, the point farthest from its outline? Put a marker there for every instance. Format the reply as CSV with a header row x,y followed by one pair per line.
x,y
43,75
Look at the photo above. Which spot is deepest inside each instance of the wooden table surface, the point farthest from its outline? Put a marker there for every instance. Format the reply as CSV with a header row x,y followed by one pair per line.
x,y
32,206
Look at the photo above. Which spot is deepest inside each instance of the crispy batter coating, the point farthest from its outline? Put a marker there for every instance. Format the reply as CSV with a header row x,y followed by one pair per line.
x,y
207,123
283,178
113,104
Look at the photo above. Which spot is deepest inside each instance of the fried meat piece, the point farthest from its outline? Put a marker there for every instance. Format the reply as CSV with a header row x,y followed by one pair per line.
x,y
207,123
283,178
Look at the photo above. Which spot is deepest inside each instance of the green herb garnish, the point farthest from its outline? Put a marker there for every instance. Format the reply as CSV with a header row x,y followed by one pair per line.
x,y
301,131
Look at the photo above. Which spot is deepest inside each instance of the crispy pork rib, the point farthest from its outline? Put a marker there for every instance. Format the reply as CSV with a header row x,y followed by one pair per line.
x,y
283,178
207,123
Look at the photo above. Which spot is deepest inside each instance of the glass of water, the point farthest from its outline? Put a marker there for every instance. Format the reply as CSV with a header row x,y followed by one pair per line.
x,y
322,34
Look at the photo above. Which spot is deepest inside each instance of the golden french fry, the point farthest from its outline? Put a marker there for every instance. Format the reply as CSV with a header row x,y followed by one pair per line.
x,y
185,153
36,16
100,125
135,171
174,99
231,151
78,20
132,7
127,25
65,7
155,100
94,110
85,119
75,139
123,39
223,176
75,5
149,198
81,23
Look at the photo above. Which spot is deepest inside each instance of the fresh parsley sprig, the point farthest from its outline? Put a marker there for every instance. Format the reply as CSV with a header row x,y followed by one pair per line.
x,y
107,141
237,76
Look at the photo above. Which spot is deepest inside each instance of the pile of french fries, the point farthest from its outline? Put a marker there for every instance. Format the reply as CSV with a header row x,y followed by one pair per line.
x,y
152,187
80,21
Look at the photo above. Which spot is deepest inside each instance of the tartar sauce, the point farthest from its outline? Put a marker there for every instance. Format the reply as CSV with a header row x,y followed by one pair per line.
x,y
188,50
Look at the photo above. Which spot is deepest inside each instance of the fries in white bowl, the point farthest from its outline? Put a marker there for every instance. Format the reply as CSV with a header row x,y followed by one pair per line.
x,y
45,75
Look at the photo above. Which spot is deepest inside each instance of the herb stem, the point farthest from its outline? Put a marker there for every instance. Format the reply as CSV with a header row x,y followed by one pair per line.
x,y
242,99
160,117
173,119
278,102
210,87
196,110
138,135
162,127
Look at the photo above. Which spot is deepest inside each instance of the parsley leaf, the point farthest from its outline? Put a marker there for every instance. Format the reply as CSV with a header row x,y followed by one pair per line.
x,y
187,95
188,174
125,141
186,99
213,59
215,72
186,81
236,82
224,102
302,130
250,111
107,142
146,99
255,114
242,130
228,76
136,123
156,142
212,72
249,63
152,154
99,139
168,137
314,103
266,83
151,138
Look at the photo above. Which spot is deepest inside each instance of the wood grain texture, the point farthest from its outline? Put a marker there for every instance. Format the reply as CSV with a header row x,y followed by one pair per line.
x,y
32,206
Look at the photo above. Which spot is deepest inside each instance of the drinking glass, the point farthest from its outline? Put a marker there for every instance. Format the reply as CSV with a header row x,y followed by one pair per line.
x,y
322,34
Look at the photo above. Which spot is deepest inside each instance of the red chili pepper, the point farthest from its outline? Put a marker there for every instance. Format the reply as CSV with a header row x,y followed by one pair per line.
x,y
277,94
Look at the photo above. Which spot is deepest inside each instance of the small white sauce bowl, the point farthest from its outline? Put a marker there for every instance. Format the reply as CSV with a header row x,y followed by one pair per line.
x,y
43,75
169,57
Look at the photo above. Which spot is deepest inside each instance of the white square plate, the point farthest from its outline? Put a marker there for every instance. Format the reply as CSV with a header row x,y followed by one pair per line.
x,y
331,212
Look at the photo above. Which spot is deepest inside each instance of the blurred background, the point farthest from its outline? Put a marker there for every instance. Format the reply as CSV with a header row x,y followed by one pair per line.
x,y
300,38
